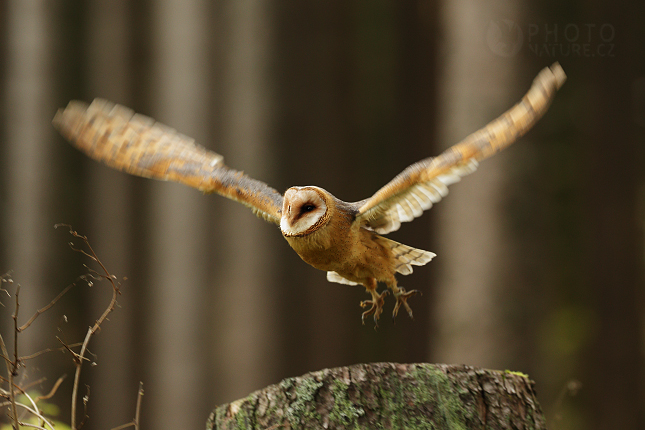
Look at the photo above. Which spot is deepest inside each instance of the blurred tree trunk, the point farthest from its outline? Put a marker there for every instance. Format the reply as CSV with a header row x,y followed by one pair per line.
x,y
312,71
244,283
27,166
355,107
588,254
176,361
474,253
613,214
110,214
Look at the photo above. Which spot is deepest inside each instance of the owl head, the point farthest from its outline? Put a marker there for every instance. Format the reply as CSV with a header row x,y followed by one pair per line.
x,y
304,210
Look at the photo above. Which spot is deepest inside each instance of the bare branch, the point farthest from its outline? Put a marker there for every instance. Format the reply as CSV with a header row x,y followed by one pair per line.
x,y
33,412
115,293
33,403
135,422
77,376
32,426
5,354
45,308
14,361
33,383
44,351
23,390
2,355
124,426
16,331
138,409
12,369
53,390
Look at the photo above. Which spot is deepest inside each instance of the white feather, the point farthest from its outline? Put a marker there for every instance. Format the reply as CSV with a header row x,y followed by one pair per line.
x,y
335,277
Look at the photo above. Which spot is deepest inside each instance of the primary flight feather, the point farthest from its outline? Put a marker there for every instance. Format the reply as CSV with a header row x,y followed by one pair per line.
x,y
339,237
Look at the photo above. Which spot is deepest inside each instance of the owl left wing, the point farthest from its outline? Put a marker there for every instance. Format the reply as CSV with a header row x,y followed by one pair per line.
x,y
136,144
424,183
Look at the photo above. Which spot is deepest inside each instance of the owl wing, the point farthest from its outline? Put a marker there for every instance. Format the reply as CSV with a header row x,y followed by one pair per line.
x,y
422,184
136,144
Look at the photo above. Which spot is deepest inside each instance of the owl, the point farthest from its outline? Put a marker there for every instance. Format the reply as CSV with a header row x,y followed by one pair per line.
x,y
342,238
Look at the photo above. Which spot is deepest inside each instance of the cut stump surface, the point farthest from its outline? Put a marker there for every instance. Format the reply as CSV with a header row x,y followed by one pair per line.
x,y
389,396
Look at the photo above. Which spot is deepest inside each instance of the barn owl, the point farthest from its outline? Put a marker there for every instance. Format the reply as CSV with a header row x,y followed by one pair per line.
x,y
344,239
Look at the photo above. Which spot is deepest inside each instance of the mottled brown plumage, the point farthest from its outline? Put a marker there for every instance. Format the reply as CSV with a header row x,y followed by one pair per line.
x,y
339,237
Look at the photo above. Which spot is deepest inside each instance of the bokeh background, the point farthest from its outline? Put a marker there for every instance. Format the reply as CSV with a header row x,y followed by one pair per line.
x,y
540,252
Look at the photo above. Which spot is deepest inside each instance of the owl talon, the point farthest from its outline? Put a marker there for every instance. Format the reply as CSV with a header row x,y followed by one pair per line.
x,y
402,299
376,306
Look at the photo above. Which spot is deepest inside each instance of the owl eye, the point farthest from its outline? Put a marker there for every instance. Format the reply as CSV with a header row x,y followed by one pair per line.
x,y
307,208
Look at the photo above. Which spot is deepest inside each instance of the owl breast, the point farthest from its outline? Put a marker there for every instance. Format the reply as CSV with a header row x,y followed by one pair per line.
x,y
354,253
324,248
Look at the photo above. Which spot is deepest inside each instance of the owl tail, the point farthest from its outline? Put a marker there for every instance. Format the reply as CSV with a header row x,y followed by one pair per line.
x,y
406,256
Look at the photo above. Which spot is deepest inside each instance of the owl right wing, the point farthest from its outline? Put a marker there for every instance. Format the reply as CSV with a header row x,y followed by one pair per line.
x,y
424,183
136,144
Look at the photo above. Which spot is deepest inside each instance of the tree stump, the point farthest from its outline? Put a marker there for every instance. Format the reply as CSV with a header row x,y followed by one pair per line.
x,y
389,396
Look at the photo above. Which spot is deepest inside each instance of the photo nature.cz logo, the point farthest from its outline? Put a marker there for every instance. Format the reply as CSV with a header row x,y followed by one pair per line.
x,y
506,38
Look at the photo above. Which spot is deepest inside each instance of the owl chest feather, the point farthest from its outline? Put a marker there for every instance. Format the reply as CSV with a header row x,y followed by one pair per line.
x,y
349,250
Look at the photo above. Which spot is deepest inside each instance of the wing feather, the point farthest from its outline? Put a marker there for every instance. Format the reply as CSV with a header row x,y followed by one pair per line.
x,y
422,184
136,144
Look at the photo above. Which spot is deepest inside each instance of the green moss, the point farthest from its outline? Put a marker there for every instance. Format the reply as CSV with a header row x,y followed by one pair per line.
x,y
243,420
344,413
432,390
300,410
287,384
437,389
511,372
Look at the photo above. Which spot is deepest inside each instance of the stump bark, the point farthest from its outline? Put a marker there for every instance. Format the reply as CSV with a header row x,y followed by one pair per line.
x,y
389,396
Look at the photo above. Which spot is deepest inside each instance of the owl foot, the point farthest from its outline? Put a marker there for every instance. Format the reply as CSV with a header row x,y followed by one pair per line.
x,y
402,299
377,306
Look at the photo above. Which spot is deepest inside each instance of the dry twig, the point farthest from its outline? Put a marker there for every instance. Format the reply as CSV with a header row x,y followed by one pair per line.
x,y
14,361
45,308
135,422
93,329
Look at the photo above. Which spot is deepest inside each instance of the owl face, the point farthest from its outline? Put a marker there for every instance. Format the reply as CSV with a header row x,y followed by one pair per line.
x,y
304,211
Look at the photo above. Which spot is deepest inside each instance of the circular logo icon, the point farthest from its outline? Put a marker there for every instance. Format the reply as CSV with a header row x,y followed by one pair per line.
x,y
504,37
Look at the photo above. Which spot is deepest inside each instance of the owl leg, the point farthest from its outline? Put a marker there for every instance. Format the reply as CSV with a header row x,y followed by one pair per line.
x,y
376,302
402,297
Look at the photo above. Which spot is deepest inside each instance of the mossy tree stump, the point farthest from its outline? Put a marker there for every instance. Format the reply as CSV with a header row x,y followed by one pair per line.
x,y
389,396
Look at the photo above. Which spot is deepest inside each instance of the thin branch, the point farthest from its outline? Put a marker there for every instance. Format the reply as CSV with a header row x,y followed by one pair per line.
x,y
45,308
77,357
15,329
124,426
138,409
115,292
33,403
36,382
53,390
5,354
77,376
32,425
44,351
31,384
14,366
32,411
135,422
12,399
23,392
